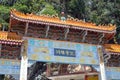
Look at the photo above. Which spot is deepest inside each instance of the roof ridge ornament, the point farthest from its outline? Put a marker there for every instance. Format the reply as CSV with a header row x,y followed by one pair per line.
x,y
63,18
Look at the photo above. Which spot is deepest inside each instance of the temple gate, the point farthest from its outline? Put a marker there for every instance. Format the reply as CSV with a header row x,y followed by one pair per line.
x,y
49,39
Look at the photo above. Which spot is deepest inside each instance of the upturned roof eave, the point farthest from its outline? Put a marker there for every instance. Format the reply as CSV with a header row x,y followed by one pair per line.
x,y
63,25
28,18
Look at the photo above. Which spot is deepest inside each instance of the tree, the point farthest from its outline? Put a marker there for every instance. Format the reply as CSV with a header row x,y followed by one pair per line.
x,y
76,8
8,2
106,12
49,9
29,6
4,15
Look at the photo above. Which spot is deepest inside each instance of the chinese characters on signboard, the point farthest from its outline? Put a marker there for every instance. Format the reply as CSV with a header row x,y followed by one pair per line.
x,y
63,52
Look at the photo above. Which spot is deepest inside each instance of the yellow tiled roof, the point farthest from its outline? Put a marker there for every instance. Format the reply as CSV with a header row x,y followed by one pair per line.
x,y
112,48
9,36
55,20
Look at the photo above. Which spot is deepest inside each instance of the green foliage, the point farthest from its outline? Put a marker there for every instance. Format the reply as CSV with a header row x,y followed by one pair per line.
x,y
77,8
7,2
20,7
105,12
29,6
49,9
4,15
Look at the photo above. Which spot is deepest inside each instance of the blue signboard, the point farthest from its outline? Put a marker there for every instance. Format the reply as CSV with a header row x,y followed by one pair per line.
x,y
61,51
9,66
113,73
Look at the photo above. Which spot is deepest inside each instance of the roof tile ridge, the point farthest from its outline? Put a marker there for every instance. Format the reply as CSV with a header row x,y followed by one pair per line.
x,y
69,21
